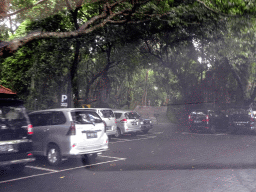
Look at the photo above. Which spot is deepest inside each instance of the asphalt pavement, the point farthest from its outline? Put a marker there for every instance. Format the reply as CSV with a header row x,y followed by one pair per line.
x,y
168,158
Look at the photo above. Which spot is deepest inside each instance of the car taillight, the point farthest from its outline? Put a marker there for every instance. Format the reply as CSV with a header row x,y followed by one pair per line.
x,y
124,120
115,121
72,129
30,129
190,118
207,118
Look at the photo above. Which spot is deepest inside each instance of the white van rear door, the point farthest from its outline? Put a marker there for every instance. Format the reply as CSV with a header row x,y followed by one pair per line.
x,y
90,128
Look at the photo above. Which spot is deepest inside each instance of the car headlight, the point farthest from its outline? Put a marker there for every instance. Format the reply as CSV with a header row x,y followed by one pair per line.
x,y
141,122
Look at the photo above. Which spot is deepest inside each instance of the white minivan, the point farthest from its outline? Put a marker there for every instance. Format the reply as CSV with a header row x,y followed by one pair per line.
x,y
61,133
108,116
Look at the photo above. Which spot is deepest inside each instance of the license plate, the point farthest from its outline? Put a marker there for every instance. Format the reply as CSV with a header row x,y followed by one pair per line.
x,y
91,135
6,148
197,121
108,128
134,123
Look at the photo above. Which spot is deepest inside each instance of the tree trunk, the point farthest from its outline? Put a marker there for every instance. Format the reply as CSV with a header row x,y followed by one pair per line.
x,y
73,68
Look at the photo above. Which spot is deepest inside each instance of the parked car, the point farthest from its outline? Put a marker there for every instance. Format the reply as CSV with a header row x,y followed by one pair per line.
x,y
146,125
109,118
15,135
127,122
241,120
207,120
66,132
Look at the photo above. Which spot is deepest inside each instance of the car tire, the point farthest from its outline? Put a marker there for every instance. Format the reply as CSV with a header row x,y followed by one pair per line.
x,y
53,155
85,159
118,133
213,129
17,167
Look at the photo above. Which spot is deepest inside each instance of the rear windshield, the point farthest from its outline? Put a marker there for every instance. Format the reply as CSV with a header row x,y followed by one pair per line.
x,y
239,112
118,115
202,112
85,117
133,115
13,122
107,113
12,113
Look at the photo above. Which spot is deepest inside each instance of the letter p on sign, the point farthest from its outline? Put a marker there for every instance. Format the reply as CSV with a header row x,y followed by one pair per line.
x,y
64,98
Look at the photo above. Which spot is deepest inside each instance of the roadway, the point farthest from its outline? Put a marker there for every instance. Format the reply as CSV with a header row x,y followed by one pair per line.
x,y
168,158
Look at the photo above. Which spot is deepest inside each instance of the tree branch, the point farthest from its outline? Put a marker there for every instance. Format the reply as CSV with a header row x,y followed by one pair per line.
x,y
24,9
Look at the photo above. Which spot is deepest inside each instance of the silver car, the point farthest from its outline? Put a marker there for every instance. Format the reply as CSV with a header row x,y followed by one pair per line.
x,y
61,133
109,118
127,122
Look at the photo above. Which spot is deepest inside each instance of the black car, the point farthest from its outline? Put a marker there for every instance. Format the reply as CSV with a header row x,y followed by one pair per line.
x,y
207,120
15,135
241,120
146,125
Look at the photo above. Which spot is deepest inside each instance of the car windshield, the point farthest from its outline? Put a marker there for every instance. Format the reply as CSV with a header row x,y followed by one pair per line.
x,y
85,117
133,115
11,113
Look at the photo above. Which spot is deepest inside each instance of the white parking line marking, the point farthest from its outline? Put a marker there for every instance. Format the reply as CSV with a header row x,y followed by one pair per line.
x,y
41,168
157,132
119,159
187,133
122,141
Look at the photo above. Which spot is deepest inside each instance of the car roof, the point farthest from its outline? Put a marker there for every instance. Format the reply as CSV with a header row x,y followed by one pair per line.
x,y
100,108
63,109
123,111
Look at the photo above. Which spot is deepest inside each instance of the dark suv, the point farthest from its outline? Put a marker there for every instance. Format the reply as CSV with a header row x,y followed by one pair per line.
x,y
207,120
15,135
241,120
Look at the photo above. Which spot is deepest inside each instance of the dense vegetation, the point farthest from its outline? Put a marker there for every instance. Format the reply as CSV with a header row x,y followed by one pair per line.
x,y
128,53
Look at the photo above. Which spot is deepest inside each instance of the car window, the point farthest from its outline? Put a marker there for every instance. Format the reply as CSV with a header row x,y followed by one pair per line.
x,y
133,115
107,113
85,117
41,119
58,118
201,113
11,113
118,115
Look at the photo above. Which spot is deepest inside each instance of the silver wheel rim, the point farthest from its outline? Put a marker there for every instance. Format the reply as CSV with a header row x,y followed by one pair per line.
x,y
52,155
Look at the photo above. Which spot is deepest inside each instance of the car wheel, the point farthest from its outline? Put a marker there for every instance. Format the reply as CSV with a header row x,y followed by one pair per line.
x,y
17,167
145,131
53,155
213,129
118,133
85,159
